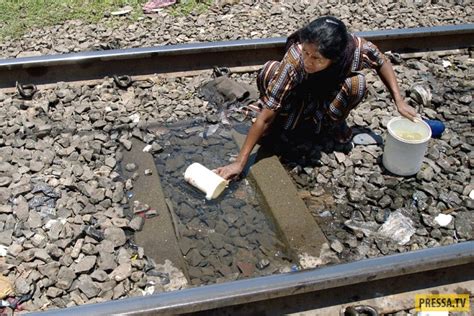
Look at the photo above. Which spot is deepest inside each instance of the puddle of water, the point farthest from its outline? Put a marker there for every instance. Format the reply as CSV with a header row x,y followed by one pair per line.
x,y
223,239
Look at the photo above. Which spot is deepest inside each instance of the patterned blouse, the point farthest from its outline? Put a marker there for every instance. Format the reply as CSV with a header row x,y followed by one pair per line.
x,y
291,72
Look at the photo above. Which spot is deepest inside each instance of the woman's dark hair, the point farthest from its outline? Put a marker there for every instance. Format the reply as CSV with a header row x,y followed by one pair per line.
x,y
329,34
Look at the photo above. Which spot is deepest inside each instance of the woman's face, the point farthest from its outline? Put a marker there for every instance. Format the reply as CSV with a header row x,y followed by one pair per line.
x,y
313,60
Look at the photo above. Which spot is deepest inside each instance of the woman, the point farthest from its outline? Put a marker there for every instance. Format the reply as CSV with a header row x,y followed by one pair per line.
x,y
316,84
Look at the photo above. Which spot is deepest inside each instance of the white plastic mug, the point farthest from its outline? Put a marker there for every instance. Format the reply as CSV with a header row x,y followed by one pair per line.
x,y
205,180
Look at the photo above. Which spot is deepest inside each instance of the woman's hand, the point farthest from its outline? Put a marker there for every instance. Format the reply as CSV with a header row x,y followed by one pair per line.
x,y
406,110
231,171
261,125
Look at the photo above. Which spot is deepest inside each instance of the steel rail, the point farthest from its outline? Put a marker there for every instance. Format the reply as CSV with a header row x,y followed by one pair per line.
x,y
283,285
199,56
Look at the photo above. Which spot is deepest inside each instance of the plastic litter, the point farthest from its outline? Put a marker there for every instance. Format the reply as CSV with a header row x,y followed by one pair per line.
x,y
294,268
149,290
94,233
471,194
367,139
443,220
205,180
14,303
398,227
135,117
51,222
446,63
223,118
156,5
3,250
147,148
367,228
211,130
437,127
122,11
6,287
46,189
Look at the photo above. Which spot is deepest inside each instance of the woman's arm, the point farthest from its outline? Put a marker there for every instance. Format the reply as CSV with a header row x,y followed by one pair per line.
x,y
261,125
388,77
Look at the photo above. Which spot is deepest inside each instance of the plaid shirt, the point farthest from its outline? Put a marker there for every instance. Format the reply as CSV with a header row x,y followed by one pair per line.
x,y
288,73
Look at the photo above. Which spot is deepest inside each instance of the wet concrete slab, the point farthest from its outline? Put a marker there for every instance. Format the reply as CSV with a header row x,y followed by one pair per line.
x,y
289,212
158,237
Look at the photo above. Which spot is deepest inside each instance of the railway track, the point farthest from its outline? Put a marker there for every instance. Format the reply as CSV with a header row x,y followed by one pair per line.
x,y
198,56
318,291
306,290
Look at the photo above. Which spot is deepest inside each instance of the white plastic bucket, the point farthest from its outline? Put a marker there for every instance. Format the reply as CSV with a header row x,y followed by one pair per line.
x,y
205,180
405,145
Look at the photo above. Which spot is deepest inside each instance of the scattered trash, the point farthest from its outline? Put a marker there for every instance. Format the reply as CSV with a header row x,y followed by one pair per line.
x,y
446,63
108,109
437,127
148,172
122,11
223,118
151,213
205,180
233,99
94,233
156,5
3,250
211,130
139,207
421,94
6,287
325,213
149,290
367,139
262,264
443,220
14,303
471,194
50,223
135,118
294,268
147,148
367,228
45,189
398,227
